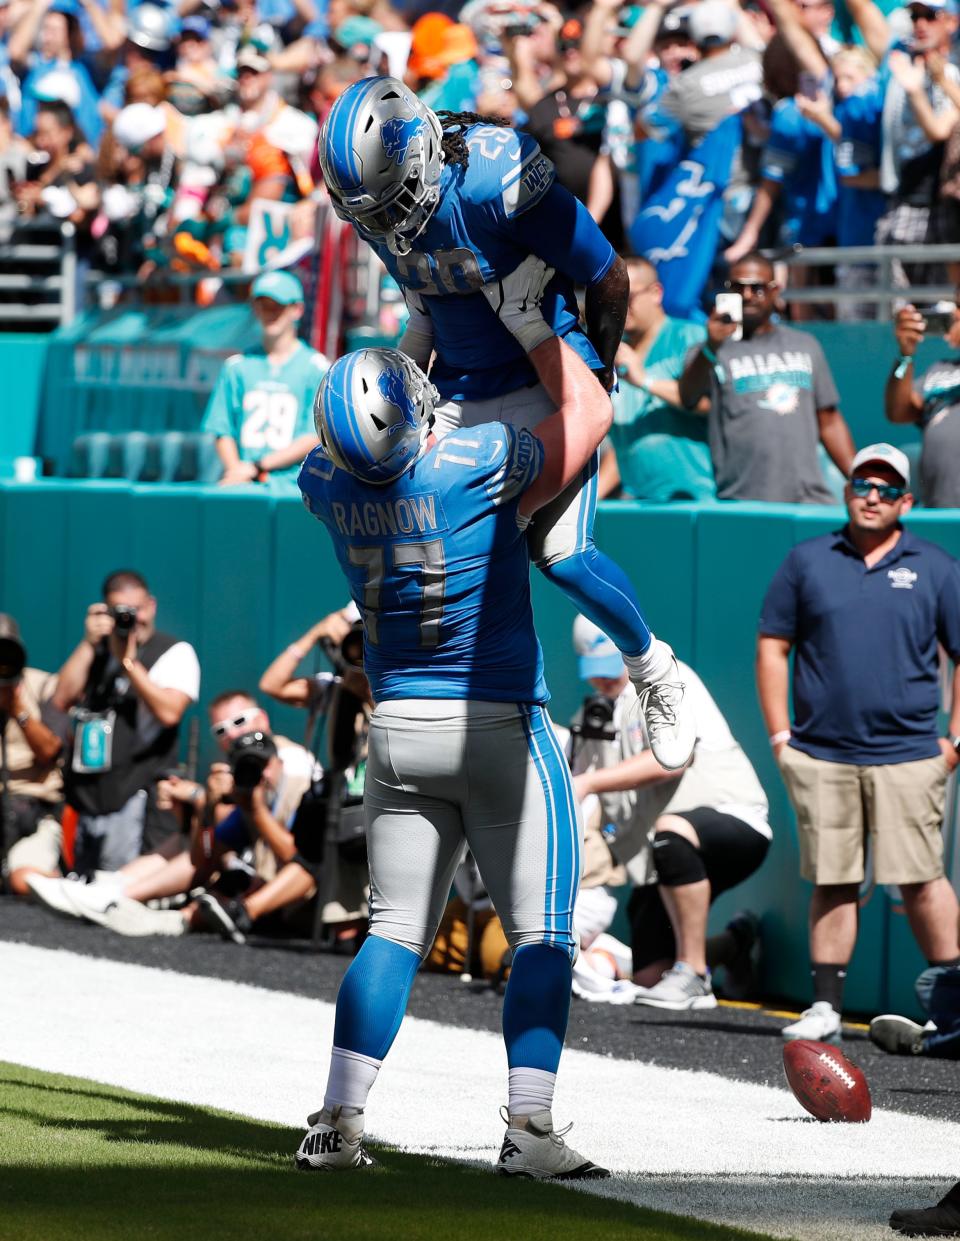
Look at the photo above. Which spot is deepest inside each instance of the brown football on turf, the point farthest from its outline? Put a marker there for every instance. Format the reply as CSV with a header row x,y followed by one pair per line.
x,y
828,1085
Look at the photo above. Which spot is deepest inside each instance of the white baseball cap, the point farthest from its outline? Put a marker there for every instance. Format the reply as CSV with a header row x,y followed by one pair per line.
x,y
712,22
597,655
58,86
886,453
137,123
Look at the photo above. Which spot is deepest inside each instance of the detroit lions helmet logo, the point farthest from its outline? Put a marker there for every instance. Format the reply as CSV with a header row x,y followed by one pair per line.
x,y
396,136
394,391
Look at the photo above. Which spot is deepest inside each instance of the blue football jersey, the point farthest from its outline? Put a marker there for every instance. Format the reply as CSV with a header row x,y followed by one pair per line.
x,y
503,206
437,563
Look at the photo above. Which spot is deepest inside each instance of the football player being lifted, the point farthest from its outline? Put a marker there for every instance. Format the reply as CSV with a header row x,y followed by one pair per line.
x,y
452,203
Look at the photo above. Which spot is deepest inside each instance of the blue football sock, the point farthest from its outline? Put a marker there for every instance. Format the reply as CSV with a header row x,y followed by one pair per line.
x,y
536,1007
603,593
373,997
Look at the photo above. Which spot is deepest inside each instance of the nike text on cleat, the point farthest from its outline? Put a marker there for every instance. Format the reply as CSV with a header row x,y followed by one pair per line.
x,y
668,718
333,1143
679,990
819,1023
532,1148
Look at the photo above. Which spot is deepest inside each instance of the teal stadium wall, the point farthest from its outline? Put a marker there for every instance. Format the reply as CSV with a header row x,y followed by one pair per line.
x,y
241,574
152,370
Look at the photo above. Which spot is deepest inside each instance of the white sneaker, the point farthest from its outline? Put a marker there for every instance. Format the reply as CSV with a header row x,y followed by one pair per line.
x,y
679,990
56,894
533,1149
333,1143
94,897
668,718
819,1022
616,991
898,1035
135,921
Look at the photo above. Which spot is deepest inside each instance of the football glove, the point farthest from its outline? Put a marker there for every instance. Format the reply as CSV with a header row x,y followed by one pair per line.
x,y
516,301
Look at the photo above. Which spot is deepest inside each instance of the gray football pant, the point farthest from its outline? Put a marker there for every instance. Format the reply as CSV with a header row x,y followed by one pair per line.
x,y
565,525
442,774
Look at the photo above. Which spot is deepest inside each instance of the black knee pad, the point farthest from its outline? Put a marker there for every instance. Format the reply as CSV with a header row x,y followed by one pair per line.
x,y
678,862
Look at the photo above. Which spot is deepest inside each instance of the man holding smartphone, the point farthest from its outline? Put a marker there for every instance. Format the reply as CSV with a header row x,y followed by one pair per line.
x,y
933,404
772,397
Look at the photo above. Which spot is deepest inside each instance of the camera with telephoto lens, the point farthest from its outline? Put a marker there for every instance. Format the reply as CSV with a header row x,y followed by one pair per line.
x,y
346,656
124,617
596,720
248,759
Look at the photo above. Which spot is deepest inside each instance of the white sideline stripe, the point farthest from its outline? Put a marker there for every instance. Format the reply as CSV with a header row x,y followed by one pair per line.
x,y
263,1054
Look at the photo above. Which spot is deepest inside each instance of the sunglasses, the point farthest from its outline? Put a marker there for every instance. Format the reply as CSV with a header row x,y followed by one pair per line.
x,y
886,491
748,286
238,721
925,15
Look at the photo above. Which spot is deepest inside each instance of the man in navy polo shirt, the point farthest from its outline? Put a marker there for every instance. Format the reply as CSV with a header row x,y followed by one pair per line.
x,y
864,609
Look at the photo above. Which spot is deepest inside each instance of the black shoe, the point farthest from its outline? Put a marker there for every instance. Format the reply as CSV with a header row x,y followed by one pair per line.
x,y
897,1035
228,917
740,975
943,1220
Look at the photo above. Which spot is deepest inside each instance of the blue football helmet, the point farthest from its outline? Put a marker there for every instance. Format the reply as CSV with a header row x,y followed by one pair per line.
x,y
380,154
373,412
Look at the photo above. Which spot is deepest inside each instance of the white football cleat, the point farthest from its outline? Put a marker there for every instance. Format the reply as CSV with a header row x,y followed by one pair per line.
x,y
667,717
333,1143
819,1022
56,894
532,1148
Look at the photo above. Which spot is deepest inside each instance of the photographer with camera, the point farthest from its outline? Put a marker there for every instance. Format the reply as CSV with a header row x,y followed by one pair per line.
x,y
31,788
683,837
329,828
253,795
127,687
329,634
931,401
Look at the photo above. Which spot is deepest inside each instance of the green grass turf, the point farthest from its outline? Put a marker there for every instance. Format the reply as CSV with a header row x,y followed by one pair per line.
x,y
80,1161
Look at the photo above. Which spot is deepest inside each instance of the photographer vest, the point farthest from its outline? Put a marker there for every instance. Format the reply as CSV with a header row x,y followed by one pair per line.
x,y
142,748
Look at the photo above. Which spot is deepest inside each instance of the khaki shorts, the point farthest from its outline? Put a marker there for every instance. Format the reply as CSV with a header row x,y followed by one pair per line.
x,y
839,806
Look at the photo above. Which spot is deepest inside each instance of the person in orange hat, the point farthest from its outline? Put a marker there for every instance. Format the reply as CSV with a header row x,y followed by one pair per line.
x,y
425,64
458,85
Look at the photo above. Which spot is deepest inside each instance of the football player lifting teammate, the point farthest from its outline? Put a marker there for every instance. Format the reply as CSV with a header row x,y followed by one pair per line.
x,y
431,536
452,204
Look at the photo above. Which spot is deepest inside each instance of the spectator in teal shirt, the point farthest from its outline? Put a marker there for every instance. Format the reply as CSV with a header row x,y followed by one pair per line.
x,y
661,449
261,410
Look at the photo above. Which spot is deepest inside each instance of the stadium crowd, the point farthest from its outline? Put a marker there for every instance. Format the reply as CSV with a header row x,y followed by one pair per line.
x,y
164,132
154,128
